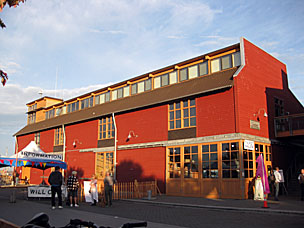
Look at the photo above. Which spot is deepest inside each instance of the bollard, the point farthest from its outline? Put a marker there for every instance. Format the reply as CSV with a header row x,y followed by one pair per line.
x,y
149,194
13,197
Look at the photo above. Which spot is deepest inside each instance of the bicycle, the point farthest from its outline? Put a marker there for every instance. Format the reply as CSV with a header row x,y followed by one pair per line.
x,y
41,220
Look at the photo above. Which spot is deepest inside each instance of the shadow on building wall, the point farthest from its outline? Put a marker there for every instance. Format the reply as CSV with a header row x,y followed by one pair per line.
x,y
128,171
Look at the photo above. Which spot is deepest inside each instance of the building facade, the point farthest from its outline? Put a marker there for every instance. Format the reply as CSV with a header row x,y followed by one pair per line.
x,y
196,126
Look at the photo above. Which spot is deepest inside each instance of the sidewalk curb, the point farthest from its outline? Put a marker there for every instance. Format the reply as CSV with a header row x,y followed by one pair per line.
x,y
259,210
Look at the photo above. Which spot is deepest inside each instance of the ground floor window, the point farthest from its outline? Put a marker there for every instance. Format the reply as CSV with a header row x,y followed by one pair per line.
x,y
104,163
215,160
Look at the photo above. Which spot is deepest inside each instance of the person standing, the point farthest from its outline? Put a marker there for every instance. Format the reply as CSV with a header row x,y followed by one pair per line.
x,y
108,186
271,180
55,180
301,181
278,179
73,185
93,190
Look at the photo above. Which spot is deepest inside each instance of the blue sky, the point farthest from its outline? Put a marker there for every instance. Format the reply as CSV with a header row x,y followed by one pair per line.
x,y
94,43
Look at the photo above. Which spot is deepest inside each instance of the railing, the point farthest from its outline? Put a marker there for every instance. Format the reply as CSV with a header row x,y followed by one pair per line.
x,y
131,190
128,190
290,125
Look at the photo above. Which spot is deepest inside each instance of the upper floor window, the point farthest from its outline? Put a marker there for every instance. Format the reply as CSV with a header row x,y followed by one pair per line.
x,y
193,71
31,118
279,107
165,79
225,62
58,139
121,92
73,106
106,128
182,114
86,103
142,86
102,98
50,114
37,138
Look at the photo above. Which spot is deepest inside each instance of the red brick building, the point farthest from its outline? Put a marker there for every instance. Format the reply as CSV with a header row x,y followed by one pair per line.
x,y
184,125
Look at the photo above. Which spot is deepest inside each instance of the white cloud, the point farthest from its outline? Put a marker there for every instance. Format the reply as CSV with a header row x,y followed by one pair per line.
x,y
9,66
13,98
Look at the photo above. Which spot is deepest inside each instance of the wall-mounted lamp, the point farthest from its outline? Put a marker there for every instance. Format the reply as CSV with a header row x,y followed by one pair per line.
x,y
259,113
75,142
130,135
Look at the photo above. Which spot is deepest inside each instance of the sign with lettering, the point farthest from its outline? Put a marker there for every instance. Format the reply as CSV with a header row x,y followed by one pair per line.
x,y
25,154
248,145
255,125
43,191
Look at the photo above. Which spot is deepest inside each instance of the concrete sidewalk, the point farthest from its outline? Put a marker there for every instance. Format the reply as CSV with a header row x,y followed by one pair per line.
x,y
286,205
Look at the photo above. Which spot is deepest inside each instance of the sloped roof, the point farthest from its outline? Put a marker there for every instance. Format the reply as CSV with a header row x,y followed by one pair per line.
x,y
200,85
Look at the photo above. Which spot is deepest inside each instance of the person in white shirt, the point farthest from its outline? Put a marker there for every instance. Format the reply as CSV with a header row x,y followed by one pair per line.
x,y
278,179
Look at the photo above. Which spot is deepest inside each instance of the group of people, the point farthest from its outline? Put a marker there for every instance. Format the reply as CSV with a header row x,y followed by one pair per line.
x,y
275,178
56,181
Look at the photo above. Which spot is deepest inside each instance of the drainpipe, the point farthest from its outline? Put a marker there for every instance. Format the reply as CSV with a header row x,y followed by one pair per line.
x,y
63,153
115,144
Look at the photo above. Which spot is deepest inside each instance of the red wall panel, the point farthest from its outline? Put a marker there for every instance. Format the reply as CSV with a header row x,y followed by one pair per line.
x,y
150,125
215,114
255,86
23,141
47,140
142,164
84,134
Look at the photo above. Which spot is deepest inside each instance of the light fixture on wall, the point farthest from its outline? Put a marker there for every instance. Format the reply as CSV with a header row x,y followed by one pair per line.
x,y
258,113
130,135
75,142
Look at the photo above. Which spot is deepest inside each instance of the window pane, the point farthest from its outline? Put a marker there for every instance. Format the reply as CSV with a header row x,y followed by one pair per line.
x,y
235,146
226,62
192,102
205,157
235,174
192,111
186,112
185,104
213,147
225,147
213,156
178,123
165,80
101,99
192,122
156,82
120,93
171,106
177,105
171,115
107,96
186,122
171,124
215,65
141,87
134,89
225,155
203,68
126,91
114,95
173,77
148,84
183,74
236,59
205,148
193,71
178,114
226,173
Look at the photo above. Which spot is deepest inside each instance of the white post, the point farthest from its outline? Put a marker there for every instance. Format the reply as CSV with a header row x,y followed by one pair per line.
x,y
63,152
115,145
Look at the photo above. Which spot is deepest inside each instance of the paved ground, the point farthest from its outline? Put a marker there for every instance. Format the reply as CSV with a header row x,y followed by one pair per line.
x,y
165,211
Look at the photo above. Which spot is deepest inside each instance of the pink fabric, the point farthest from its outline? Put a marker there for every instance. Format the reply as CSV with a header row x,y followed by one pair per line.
x,y
261,172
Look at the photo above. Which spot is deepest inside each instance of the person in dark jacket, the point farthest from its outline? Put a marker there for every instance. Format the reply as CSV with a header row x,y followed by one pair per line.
x,y
301,182
55,180
108,187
